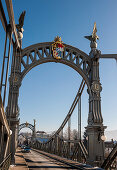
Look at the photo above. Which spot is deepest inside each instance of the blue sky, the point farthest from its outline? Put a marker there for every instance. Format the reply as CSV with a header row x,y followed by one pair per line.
x,y
48,90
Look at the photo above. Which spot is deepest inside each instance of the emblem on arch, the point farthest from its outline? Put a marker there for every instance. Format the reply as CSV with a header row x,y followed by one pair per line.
x,y
96,87
57,48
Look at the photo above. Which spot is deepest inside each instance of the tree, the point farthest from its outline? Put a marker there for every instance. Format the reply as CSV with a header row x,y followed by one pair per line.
x,y
74,134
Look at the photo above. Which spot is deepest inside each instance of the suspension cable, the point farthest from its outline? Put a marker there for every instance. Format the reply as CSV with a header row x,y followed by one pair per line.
x,y
78,95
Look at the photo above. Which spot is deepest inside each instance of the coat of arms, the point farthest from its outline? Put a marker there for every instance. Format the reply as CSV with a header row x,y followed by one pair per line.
x,y
57,48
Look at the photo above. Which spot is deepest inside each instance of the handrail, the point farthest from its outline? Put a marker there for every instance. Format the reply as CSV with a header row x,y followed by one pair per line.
x,y
6,163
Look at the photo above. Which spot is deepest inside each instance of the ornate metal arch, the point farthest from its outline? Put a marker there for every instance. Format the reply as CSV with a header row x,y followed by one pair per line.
x,y
42,53
28,125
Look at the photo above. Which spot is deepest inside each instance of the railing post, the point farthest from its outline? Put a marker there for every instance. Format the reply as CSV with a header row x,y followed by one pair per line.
x,y
79,118
69,137
1,142
79,127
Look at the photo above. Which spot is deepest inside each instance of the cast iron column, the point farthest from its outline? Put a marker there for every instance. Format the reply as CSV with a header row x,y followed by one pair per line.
x,y
95,128
12,110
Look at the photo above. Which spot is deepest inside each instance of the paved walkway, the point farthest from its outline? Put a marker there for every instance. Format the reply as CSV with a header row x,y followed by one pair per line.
x,y
37,161
20,163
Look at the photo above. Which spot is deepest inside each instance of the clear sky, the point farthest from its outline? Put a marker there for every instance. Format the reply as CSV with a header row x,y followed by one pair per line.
x,y
48,90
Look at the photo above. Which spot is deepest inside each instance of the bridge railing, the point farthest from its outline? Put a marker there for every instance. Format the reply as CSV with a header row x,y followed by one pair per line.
x,y
6,163
57,144
111,160
71,149
4,133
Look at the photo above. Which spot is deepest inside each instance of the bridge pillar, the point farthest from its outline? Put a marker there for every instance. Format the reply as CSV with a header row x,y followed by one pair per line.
x,y
12,109
95,128
13,141
34,131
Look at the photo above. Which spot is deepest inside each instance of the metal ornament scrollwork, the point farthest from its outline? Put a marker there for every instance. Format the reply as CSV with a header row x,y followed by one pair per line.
x,y
42,53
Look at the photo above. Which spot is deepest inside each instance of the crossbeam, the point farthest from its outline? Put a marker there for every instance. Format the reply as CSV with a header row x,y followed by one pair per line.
x,y
12,21
109,56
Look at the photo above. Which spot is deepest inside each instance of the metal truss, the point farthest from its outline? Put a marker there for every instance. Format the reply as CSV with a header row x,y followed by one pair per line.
x,y
42,53
109,56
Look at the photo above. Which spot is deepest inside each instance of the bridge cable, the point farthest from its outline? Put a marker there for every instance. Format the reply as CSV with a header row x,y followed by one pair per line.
x,y
78,95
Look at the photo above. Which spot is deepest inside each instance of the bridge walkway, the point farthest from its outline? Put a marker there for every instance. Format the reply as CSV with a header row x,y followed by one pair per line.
x,y
39,160
34,160
20,163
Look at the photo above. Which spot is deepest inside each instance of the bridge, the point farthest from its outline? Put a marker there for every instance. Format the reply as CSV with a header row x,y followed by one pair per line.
x,y
67,152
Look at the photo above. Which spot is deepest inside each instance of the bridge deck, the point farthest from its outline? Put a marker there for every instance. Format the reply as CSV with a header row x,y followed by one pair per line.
x,y
34,160
41,160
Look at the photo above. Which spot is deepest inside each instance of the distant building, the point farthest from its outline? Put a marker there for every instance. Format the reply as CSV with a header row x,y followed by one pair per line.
x,y
42,136
41,139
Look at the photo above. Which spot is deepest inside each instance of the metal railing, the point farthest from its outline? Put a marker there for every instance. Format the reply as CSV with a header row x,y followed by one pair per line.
x,y
73,150
6,163
111,160
66,148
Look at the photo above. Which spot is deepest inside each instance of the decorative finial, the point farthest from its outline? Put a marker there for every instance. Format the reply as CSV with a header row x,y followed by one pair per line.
x,y
19,26
34,121
27,123
93,38
57,39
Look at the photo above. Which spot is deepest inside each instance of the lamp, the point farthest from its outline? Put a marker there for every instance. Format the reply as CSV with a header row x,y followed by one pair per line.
x,y
103,137
10,132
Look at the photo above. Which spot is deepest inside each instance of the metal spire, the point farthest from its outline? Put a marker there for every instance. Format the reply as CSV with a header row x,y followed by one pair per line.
x,y
94,36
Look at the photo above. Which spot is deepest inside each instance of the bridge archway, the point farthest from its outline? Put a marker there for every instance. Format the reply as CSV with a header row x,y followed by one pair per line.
x,y
42,53
86,66
26,125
